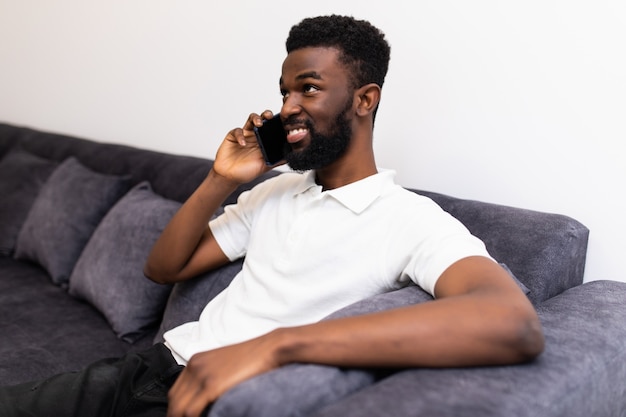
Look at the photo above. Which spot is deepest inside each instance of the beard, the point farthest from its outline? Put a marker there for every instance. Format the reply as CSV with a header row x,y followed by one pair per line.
x,y
324,149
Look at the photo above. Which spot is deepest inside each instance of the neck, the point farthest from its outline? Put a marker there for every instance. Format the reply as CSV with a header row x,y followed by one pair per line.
x,y
345,171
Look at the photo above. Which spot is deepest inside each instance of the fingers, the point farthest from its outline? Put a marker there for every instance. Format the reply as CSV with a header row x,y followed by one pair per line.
x,y
189,396
209,374
255,120
237,135
243,135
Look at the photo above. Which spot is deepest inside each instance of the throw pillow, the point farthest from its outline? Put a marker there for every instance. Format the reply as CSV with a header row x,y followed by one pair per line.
x,y
301,389
22,175
188,298
109,273
64,215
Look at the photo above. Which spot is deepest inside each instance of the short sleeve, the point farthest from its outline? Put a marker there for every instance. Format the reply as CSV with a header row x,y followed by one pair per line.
x,y
231,230
437,241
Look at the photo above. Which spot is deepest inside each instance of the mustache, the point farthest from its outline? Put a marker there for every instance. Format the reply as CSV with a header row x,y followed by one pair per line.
x,y
294,120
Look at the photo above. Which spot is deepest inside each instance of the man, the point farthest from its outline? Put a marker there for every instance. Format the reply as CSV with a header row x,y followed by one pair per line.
x,y
314,242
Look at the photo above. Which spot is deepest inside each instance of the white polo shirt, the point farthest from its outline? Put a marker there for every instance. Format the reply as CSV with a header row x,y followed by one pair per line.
x,y
311,252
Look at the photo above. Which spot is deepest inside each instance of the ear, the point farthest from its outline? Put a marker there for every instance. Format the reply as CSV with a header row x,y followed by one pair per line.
x,y
367,99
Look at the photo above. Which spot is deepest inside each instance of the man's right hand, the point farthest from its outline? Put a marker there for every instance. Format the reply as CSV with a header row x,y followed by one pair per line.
x,y
239,158
186,247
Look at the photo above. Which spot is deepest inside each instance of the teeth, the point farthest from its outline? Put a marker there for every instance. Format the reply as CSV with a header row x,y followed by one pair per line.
x,y
294,131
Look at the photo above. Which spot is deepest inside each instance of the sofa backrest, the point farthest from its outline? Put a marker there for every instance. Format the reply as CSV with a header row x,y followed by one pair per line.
x,y
545,251
172,176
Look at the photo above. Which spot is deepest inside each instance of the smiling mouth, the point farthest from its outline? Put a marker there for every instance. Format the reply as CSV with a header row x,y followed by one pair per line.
x,y
296,135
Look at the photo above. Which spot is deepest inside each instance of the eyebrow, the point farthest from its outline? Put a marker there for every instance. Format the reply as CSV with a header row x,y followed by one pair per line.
x,y
311,74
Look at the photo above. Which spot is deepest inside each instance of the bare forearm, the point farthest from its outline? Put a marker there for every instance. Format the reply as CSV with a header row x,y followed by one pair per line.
x,y
479,318
172,252
463,331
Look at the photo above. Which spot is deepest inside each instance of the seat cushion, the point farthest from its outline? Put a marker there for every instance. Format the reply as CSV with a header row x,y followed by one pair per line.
x,y
44,330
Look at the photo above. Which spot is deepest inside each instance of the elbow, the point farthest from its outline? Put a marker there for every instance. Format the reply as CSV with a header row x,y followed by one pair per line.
x,y
529,340
161,275
154,275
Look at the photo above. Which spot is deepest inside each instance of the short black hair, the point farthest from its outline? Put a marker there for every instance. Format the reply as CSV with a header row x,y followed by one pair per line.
x,y
363,47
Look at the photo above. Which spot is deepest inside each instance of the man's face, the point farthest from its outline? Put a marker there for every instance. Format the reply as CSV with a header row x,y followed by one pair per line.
x,y
317,105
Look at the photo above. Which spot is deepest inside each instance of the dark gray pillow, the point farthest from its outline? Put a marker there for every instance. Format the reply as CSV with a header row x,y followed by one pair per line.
x,y
66,212
22,175
189,298
301,389
109,273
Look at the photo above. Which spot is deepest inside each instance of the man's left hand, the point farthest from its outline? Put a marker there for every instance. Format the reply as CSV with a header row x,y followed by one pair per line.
x,y
210,374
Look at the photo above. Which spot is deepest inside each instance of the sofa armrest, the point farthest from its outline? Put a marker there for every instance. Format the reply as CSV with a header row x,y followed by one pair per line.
x,y
545,251
581,372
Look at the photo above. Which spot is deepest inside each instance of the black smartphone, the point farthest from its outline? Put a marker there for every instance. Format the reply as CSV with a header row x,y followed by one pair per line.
x,y
272,140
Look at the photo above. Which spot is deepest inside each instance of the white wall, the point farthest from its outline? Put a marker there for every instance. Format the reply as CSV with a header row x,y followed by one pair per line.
x,y
514,102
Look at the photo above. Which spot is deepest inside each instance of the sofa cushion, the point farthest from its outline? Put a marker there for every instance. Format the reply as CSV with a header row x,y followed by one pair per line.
x,y
45,331
64,215
109,273
300,389
22,175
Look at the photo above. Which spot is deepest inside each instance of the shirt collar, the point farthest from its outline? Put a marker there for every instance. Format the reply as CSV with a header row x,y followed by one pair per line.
x,y
356,196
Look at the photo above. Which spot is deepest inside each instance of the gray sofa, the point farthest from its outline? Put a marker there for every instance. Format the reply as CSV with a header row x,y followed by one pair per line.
x,y
77,218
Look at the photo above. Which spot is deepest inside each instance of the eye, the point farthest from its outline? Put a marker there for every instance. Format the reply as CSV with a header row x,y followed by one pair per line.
x,y
310,88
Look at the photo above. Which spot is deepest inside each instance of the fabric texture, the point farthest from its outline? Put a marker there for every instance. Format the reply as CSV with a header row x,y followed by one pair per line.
x,y
109,273
519,283
300,389
545,251
581,373
188,298
22,175
66,212
45,331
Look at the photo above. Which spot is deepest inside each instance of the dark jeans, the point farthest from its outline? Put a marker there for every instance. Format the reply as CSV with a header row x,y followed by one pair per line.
x,y
134,385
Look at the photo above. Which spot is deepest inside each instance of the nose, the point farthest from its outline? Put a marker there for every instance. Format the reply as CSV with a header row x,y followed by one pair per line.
x,y
291,106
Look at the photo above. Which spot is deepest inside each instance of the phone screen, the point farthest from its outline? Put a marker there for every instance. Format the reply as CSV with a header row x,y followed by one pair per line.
x,y
272,140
